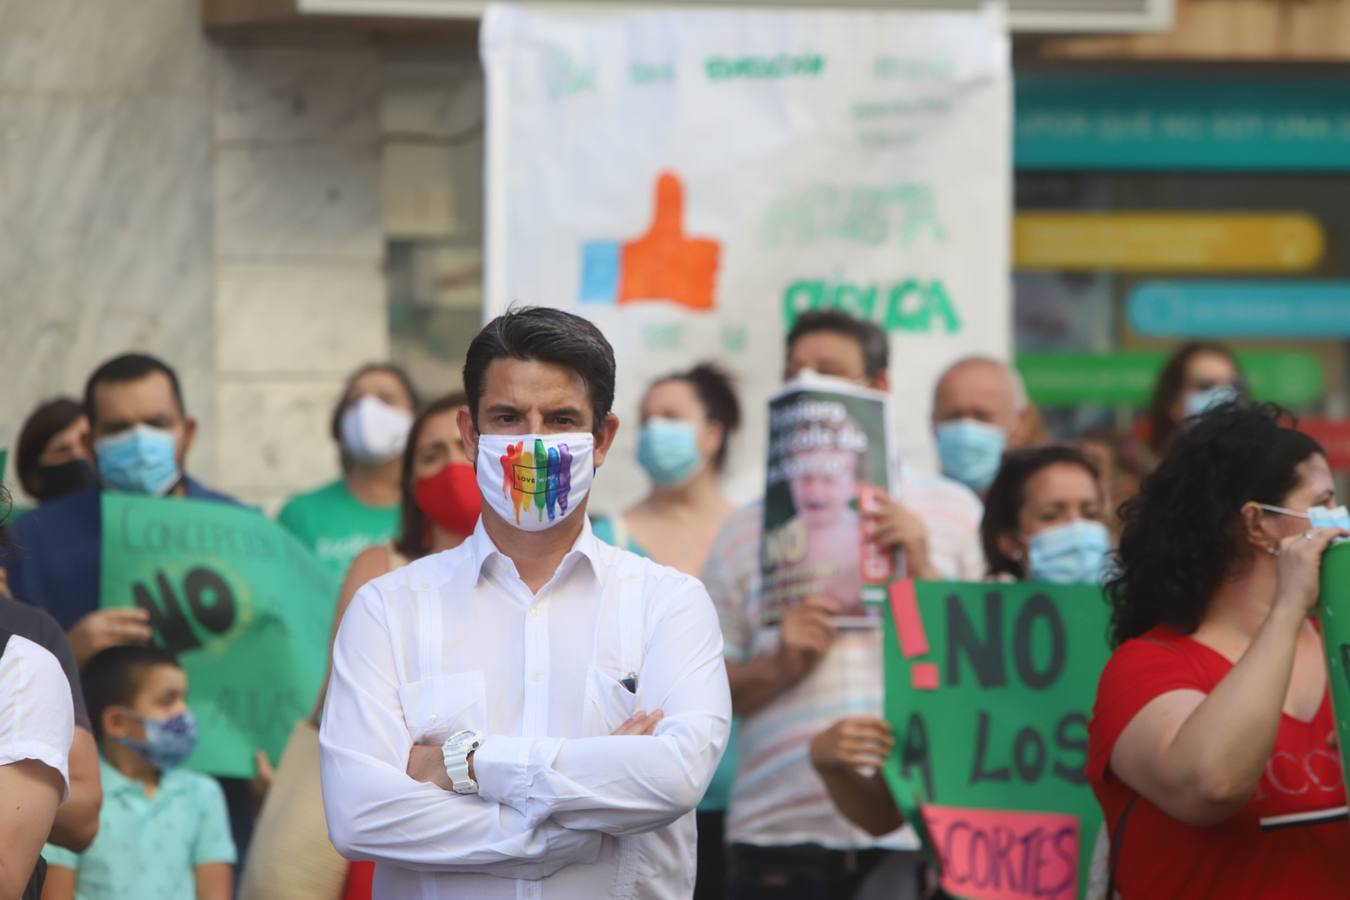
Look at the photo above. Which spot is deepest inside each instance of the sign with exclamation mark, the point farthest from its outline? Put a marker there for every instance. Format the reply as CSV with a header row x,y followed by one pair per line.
x,y
923,676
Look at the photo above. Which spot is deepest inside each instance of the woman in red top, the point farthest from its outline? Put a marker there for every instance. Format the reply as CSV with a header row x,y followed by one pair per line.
x,y
1211,747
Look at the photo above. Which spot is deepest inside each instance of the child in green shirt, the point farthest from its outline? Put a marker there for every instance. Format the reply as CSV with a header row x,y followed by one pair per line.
x,y
164,832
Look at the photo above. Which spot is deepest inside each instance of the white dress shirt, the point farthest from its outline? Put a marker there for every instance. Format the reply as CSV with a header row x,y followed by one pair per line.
x,y
564,810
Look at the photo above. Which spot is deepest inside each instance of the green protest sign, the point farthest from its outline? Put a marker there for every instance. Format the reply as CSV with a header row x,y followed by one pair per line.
x,y
988,690
245,607
1334,615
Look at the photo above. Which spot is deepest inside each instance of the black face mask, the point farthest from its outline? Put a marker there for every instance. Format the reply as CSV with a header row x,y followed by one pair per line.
x,y
64,478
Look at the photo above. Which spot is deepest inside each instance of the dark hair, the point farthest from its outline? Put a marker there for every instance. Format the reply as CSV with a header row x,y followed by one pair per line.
x,y
412,533
1167,389
43,424
335,420
547,335
6,507
716,393
129,367
1182,534
876,349
113,677
1008,493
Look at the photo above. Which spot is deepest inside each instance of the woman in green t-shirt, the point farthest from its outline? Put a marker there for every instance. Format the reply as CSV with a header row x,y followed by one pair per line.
x,y
370,425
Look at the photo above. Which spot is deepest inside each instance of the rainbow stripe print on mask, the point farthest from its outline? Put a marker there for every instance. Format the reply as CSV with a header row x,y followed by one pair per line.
x,y
540,479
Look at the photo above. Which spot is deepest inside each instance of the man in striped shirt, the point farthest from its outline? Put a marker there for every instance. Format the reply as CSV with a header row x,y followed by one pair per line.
x,y
795,679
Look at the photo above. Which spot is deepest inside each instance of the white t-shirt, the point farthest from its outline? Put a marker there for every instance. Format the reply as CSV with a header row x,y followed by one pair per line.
x,y
37,716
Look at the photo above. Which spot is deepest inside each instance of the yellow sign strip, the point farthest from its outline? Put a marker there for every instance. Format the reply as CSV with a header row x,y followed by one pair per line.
x,y
1167,241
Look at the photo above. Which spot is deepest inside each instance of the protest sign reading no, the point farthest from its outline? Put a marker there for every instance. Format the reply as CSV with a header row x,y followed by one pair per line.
x,y
988,689
243,605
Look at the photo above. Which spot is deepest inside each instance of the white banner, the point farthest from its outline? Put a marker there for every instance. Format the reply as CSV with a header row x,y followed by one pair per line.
x,y
691,181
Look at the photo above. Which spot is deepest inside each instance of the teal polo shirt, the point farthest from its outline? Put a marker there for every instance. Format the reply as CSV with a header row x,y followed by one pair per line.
x,y
150,847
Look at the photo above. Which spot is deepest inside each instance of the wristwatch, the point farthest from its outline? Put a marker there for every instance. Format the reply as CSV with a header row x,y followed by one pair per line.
x,y
456,752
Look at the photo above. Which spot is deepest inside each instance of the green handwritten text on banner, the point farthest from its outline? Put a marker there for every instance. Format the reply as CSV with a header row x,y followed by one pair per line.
x,y
1287,377
243,605
988,689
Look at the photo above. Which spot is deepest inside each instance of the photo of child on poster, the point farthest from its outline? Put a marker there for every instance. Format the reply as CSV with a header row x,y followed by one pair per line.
x,y
828,459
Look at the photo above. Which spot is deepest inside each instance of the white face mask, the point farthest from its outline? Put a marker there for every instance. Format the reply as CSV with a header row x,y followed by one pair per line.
x,y
534,481
372,431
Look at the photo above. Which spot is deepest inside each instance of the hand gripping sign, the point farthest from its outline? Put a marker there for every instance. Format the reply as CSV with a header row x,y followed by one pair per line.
x,y
988,689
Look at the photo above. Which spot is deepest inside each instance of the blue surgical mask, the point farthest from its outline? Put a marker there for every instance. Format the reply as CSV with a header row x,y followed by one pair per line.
x,y
139,460
168,742
667,450
1072,553
1317,516
1199,402
970,451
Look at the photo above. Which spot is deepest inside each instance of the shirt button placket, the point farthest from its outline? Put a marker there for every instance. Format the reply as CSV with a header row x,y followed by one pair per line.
x,y
536,669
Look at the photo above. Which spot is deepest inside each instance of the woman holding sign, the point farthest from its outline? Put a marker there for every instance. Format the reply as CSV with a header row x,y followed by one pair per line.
x,y
1042,522
1211,746
1043,518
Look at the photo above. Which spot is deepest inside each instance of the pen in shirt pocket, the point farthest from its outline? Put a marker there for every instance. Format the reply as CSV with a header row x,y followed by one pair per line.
x,y
630,683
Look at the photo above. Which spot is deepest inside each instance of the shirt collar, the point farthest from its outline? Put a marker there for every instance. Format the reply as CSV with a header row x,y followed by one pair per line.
x,y
117,784
483,552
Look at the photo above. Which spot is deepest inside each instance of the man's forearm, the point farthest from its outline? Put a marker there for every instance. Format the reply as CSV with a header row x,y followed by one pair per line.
x,y
864,800
610,784
757,683
375,812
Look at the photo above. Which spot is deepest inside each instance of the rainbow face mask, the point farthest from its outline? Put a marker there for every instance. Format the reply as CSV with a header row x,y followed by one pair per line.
x,y
534,481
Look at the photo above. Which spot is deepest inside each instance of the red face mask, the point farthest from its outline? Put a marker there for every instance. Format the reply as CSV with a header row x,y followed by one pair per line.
x,y
450,498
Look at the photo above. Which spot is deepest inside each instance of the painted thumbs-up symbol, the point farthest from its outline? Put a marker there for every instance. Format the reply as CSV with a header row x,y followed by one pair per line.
x,y
662,264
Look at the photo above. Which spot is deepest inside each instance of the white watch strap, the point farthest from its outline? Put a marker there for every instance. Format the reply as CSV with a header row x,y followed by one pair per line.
x,y
455,754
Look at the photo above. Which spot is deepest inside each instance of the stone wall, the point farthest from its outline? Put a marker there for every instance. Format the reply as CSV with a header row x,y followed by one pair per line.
x,y
219,206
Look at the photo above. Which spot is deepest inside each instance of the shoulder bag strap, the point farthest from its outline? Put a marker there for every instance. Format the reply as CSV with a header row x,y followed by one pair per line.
x,y
1117,838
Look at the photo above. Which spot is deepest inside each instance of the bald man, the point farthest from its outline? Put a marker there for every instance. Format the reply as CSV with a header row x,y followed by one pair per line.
x,y
979,409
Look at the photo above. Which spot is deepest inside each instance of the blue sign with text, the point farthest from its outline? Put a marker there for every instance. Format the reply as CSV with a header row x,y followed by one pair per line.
x,y
1232,309
1210,124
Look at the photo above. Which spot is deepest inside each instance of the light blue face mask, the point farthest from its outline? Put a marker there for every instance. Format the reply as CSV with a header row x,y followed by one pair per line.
x,y
970,451
168,742
1317,516
1199,402
667,450
1072,553
140,460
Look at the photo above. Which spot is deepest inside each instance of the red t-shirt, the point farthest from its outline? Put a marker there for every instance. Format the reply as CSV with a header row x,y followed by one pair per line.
x,y
1255,853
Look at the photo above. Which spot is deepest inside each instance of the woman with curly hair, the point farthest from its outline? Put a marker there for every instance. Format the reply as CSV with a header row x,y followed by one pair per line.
x,y
1210,748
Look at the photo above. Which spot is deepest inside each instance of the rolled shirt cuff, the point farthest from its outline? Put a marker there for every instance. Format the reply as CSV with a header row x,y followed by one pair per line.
x,y
506,768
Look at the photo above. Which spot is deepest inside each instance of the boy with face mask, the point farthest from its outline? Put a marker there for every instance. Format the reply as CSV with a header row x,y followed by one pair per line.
x,y
533,713
163,831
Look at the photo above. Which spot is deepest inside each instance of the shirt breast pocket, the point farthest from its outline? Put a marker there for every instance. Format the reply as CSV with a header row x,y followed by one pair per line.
x,y
608,703
435,708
